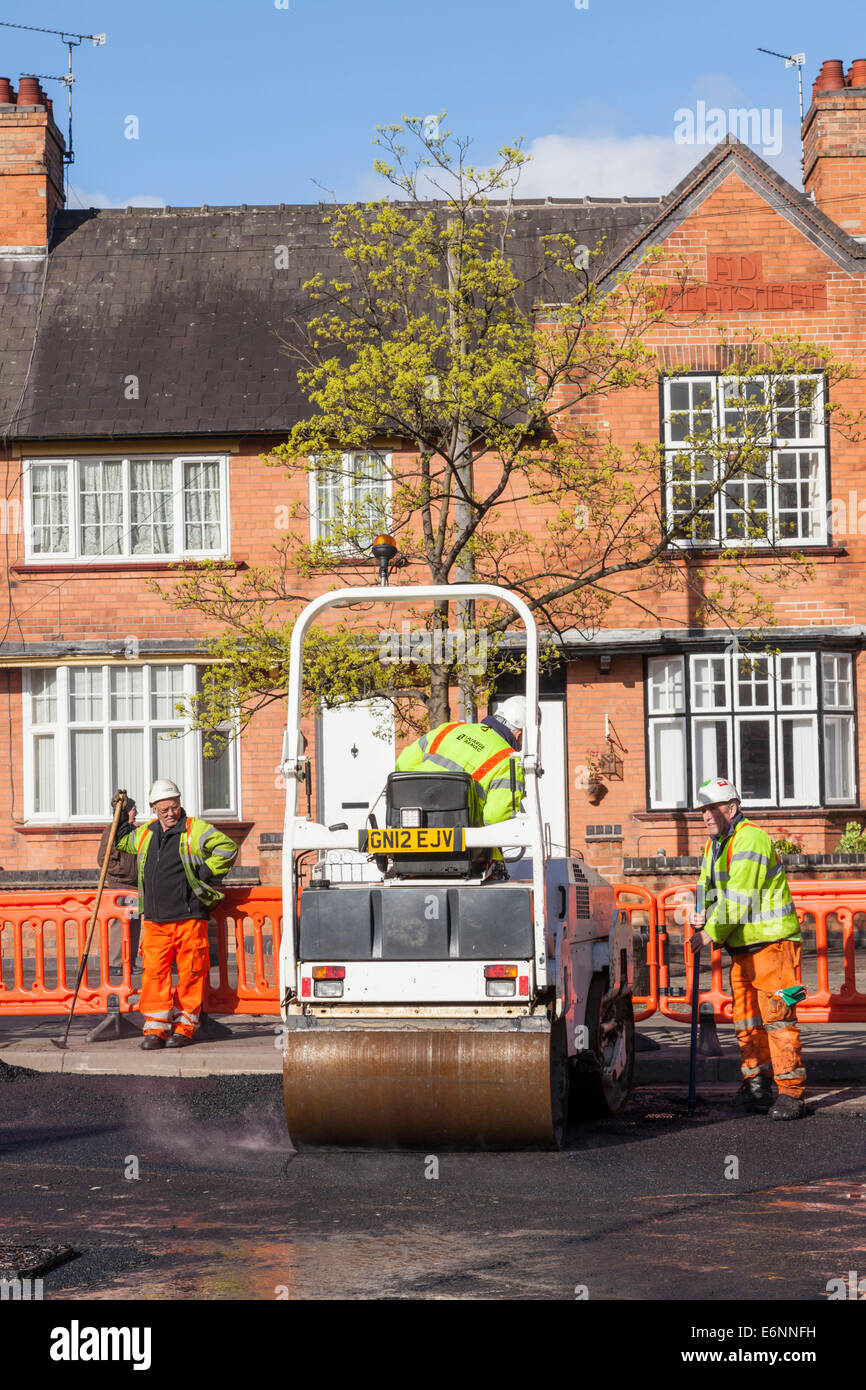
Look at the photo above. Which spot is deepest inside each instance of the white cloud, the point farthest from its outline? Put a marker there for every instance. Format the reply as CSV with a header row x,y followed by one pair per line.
x,y
605,166
79,199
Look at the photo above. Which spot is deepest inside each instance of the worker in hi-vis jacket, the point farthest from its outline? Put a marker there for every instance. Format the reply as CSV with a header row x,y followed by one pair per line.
x,y
748,909
484,751
180,860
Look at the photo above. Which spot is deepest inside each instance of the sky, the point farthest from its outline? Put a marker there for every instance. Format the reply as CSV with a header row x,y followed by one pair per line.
x,y
224,102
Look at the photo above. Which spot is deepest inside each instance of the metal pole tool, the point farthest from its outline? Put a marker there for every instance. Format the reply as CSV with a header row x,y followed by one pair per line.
x,y
121,802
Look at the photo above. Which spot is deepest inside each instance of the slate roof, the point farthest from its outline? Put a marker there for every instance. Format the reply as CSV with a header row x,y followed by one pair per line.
x,y
189,301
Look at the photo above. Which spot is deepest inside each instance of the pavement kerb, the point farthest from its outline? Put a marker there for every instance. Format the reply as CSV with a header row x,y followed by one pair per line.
x,y
833,1055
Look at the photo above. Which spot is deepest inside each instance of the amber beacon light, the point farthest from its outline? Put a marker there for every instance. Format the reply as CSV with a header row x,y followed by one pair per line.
x,y
384,548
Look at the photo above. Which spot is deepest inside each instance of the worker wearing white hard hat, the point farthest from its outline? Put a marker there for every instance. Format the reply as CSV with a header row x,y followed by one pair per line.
x,y
177,877
749,911
484,750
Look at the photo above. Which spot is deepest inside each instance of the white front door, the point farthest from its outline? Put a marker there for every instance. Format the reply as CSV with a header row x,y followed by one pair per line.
x,y
355,762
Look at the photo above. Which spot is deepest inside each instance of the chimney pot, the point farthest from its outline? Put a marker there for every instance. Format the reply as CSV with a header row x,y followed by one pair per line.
x,y
831,77
857,73
29,92
7,92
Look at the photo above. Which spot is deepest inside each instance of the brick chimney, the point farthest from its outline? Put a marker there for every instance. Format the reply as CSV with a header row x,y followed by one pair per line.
x,y
834,145
31,164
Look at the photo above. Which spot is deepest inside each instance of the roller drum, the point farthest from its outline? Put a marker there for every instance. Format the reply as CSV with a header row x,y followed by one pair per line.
x,y
417,1088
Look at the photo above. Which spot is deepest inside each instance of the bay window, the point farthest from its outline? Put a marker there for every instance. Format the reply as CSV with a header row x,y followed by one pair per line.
x,y
91,729
779,726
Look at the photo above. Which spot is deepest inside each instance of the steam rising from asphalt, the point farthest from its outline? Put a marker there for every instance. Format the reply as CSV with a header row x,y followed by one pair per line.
x,y
206,1135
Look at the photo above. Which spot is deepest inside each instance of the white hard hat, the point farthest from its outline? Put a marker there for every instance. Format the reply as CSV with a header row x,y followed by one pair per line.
x,y
717,790
513,712
162,790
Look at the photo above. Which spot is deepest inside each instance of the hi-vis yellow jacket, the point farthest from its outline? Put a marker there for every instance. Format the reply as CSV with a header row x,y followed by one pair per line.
x,y
478,750
202,846
745,892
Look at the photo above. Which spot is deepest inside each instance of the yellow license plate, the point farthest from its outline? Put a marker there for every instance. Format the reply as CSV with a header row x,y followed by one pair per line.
x,y
429,840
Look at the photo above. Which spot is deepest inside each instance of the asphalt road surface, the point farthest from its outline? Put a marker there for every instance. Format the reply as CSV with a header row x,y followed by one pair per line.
x,y
650,1205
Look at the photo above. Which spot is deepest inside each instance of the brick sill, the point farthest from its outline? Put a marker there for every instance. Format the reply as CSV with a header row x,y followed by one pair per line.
x,y
680,865
84,569
776,813
709,552
97,827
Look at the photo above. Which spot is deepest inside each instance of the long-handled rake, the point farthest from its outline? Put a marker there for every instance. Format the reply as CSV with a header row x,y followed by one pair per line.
x,y
121,800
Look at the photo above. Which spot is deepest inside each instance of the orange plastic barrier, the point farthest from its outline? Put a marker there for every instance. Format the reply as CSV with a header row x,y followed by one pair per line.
x,y
640,901
816,902
42,936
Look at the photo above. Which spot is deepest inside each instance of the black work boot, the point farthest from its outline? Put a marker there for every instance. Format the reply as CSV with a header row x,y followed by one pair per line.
x,y
151,1041
788,1108
755,1095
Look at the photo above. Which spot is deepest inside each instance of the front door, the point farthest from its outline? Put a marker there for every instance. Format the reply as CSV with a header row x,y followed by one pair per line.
x,y
354,764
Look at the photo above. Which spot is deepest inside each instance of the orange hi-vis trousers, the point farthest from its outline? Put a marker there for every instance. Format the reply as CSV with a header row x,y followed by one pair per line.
x,y
766,1026
184,943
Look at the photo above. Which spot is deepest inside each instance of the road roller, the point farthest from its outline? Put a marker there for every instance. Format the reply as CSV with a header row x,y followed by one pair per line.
x,y
444,1003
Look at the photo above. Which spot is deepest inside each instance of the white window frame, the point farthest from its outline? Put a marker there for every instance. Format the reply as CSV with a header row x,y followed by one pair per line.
x,y
707,711
834,659
667,721
763,716
814,443
794,713
838,718
192,787
316,536
75,555
675,705
697,720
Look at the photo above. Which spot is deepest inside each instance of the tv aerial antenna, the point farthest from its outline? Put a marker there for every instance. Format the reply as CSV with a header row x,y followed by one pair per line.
x,y
792,60
72,41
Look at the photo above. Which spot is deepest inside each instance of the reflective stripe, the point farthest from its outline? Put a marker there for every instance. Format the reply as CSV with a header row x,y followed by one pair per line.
x,y
741,1023
491,763
783,1023
784,911
502,784
754,855
443,733
798,1074
159,1013
181,1017
755,1071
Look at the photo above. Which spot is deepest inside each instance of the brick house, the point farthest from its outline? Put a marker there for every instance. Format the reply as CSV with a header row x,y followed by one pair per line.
x,y
142,380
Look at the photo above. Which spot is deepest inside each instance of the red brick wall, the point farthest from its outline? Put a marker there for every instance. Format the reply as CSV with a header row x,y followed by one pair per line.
x,y
68,603
31,175
834,156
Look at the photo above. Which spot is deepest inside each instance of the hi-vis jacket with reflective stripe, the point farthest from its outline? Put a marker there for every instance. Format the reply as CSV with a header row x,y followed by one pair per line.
x,y
745,891
202,846
478,750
